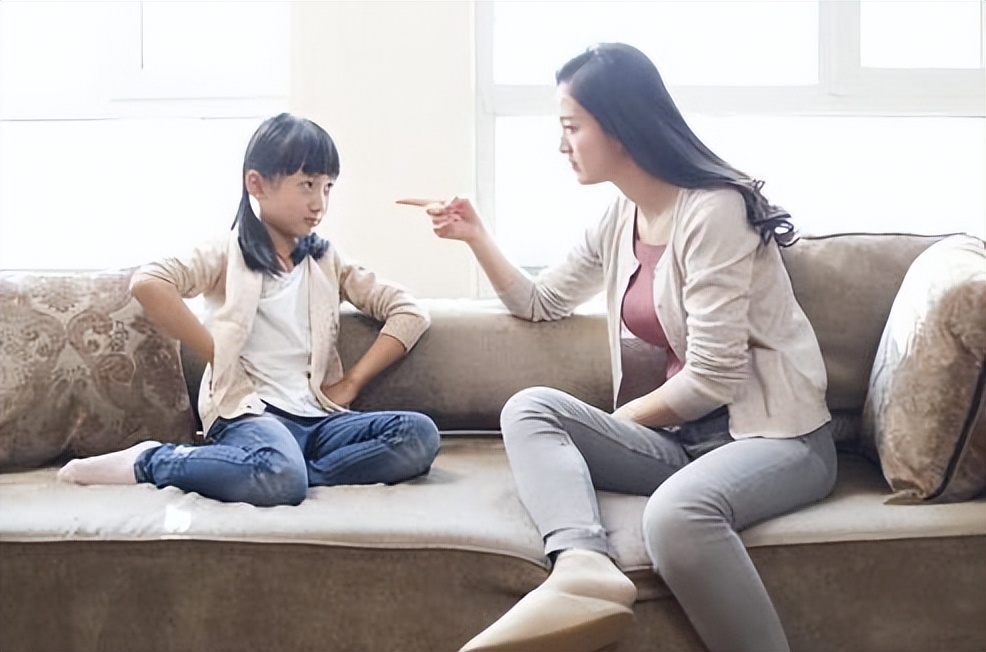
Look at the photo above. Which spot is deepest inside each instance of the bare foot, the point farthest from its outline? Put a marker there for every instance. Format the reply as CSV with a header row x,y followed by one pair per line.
x,y
111,468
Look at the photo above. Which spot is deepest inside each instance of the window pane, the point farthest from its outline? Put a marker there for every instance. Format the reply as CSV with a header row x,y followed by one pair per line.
x,y
707,42
540,208
114,193
217,45
60,53
834,174
921,33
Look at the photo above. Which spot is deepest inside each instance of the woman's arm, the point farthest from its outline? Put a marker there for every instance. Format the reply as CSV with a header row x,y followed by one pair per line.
x,y
718,249
553,295
456,219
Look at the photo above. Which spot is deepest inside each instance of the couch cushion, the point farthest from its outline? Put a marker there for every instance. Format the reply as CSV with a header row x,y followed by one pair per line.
x,y
846,284
467,502
475,355
472,359
923,418
84,372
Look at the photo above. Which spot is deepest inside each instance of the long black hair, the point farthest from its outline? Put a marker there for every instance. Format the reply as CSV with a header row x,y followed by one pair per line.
x,y
282,146
624,92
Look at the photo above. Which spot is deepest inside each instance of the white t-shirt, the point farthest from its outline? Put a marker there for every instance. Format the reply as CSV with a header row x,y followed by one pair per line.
x,y
278,349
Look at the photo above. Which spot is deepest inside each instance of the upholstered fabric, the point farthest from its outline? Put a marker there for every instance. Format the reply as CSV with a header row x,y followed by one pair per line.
x,y
468,501
923,418
846,284
475,356
426,564
84,372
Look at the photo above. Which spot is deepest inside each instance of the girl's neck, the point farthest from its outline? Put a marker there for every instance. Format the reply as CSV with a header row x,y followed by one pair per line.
x,y
283,247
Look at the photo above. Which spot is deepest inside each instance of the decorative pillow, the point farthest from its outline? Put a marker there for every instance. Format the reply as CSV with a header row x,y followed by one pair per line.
x,y
84,371
923,417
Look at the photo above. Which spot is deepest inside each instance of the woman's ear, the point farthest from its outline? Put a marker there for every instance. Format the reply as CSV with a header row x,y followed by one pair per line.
x,y
255,183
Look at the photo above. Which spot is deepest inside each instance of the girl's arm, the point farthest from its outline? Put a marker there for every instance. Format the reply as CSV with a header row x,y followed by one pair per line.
x,y
385,351
160,287
164,306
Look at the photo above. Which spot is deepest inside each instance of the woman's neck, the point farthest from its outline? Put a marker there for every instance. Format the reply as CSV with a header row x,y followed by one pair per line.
x,y
653,197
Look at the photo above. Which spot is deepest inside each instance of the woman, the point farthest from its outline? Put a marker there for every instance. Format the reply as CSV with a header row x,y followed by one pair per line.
x,y
719,380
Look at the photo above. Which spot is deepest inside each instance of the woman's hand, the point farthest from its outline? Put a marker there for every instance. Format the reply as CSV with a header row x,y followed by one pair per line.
x,y
343,392
455,219
649,410
630,411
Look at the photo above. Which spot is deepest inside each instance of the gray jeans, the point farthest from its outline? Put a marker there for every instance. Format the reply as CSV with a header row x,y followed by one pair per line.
x,y
704,487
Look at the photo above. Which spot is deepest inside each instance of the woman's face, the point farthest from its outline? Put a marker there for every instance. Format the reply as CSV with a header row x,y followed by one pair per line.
x,y
593,154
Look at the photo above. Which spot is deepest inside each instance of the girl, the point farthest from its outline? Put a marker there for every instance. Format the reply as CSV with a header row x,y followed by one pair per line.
x,y
274,398
721,416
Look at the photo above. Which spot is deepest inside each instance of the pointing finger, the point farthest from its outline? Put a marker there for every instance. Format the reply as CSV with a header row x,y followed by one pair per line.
x,y
418,202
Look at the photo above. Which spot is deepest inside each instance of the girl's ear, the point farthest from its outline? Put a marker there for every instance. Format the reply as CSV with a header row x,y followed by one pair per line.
x,y
255,183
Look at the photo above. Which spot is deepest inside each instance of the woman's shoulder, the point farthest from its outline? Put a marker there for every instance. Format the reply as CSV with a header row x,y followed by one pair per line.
x,y
720,200
714,215
618,211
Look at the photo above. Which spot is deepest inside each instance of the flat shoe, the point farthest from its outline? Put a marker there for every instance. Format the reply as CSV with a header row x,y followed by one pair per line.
x,y
554,622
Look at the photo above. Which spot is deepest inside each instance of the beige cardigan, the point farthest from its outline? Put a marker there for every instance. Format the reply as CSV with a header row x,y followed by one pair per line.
x,y
218,271
726,305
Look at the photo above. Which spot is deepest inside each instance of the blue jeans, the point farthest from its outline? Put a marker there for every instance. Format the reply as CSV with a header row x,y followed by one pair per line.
x,y
272,458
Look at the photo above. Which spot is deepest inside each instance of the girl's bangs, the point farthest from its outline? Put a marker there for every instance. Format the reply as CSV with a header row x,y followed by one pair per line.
x,y
310,150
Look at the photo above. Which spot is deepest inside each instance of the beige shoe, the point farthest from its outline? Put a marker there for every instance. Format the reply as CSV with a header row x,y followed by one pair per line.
x,y
585,604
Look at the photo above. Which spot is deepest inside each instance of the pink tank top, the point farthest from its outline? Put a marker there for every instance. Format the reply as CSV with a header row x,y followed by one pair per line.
x,y
638,310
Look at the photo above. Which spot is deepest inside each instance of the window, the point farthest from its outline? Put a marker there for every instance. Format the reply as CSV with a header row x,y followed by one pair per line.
x,y
861,115
123,124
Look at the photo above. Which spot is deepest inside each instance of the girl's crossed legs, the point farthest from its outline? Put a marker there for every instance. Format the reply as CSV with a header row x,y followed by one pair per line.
x,y
272,458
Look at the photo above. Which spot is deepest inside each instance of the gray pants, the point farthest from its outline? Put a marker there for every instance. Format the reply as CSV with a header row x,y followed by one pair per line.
x,y
704,487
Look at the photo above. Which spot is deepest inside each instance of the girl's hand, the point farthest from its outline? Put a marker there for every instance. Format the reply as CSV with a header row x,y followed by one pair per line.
x,y
341,393
455,219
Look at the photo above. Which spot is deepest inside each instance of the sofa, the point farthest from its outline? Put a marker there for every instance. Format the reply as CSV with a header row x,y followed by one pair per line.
x,y
424,565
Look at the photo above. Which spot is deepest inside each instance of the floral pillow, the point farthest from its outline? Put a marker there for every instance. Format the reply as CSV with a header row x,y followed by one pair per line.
x,y
923,417
84,371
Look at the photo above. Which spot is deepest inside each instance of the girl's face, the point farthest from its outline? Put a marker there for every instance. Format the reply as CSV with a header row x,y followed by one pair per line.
x,y
593,154
291,206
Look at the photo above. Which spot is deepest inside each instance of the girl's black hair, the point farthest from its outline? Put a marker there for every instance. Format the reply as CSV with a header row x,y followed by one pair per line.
x,y
624,92
282,146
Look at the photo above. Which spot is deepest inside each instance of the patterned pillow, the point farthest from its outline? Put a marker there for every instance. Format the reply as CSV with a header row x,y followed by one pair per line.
x,y
84,372
923,418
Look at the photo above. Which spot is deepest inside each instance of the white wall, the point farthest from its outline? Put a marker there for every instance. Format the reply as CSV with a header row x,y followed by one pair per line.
x,y
392,82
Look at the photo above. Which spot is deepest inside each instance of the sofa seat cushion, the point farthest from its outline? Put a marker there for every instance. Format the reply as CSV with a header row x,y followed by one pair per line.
x,y
467,502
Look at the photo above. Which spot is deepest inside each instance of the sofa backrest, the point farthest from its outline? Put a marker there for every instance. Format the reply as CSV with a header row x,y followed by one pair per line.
x,y
475,355
846,284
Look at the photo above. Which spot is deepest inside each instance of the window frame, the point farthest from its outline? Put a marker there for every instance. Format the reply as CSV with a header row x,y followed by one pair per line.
x,y
844,88
131,92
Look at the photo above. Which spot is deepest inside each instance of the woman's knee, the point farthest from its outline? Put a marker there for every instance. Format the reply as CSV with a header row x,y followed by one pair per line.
x,y
533,401
675,524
